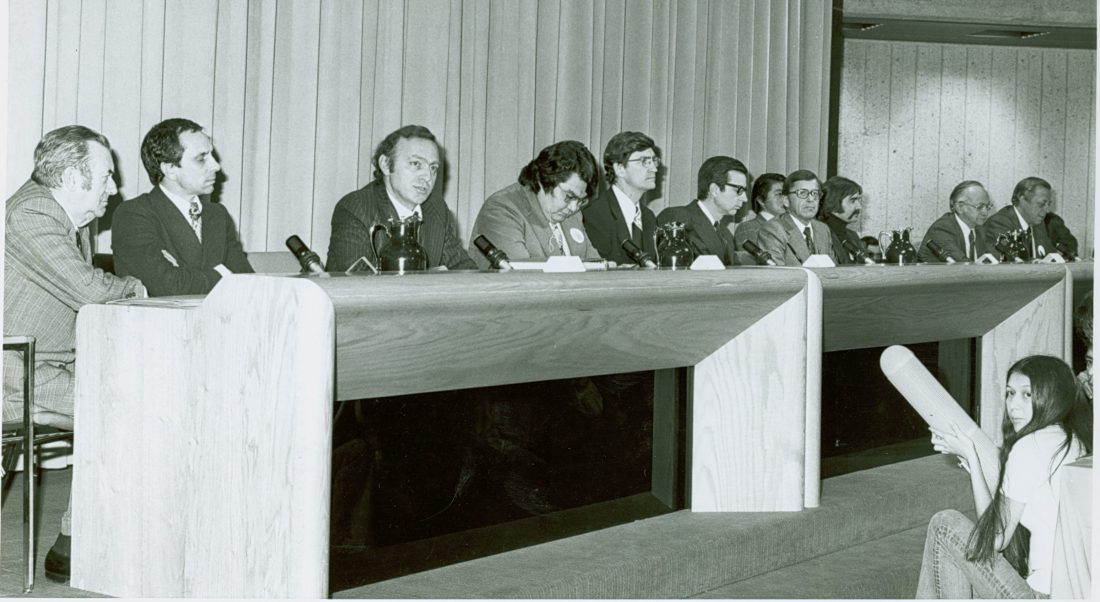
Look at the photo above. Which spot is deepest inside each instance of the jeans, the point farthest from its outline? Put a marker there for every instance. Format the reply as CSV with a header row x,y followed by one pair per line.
x,y
946,573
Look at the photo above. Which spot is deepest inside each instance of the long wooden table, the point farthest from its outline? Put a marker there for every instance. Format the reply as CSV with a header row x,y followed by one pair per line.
x,y
205,424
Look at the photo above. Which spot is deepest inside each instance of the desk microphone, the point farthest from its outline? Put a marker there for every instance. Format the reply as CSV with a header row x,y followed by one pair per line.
x,y
856,252
310,261
1007,251
762,257
497,259
1064,250
939,252
637,255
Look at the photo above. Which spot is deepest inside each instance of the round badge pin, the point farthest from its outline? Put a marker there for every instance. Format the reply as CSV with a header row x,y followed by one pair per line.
x,y
576,235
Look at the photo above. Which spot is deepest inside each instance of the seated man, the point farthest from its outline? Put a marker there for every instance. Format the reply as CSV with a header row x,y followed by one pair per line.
x,y
1064,241
792,237
841,204
406,164
172,237
1030,204
959,232
538,216
49,276
630,162
768,202
721,190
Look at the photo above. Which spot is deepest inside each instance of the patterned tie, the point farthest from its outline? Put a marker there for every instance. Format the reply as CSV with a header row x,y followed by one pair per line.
x,y
557,242
973,246
1031,243
79,244
195,213
809,241
636,231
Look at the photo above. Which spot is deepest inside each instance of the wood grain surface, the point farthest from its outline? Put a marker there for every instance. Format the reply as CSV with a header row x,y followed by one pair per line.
x,y
205,443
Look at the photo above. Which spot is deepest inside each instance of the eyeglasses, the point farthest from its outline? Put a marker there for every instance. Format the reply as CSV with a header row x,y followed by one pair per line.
x,y
738,190
986,206
647,162
804,193
571,198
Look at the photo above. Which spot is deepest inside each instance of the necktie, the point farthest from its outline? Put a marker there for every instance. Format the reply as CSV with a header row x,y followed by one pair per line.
x,y
557,243
1031,243
809,241
636,231
194,212
79,244
973,246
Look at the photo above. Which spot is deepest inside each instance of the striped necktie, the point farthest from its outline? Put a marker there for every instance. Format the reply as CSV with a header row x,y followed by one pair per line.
x,y
636,231
809,241
973,246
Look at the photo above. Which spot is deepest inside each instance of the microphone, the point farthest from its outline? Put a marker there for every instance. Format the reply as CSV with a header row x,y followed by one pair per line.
x,y
497,259
1064,250
309,260
858,254
637,255
939,252
762,257
1006,250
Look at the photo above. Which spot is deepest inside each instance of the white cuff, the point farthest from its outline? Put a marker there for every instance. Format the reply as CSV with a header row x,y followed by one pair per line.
x,y
221,269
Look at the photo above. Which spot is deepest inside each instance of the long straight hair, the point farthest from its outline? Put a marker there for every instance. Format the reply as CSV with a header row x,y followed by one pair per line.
x,y
1055,400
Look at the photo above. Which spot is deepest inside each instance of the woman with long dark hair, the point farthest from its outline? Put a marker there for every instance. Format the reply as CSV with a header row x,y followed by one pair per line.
x,y
1046,425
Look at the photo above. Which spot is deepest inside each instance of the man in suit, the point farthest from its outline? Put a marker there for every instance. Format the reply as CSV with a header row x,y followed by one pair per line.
x,y
48,276
630,162
406,164
960,232
538,216
768,202
721,190
172,237
1030,204
792,237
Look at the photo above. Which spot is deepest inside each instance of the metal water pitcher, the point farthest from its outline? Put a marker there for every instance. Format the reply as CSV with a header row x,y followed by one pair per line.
x,y
401,252
672,246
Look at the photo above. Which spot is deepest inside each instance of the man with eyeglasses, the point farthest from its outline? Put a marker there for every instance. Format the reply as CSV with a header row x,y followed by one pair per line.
x,y
406,165
1030,204
722,188
630,162
959,232
539,215
796,235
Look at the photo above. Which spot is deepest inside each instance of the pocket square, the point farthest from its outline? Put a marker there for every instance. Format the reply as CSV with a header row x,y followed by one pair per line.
x,y
171,260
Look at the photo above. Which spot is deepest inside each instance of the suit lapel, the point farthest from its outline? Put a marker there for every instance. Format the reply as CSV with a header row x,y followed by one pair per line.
x,y
622,232
795,238
185,245
704,229
540,226
213,243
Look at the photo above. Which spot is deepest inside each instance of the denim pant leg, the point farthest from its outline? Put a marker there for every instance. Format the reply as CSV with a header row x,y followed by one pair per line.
x,y
946,573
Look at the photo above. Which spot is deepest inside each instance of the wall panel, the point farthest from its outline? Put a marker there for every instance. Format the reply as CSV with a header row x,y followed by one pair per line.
x,y
995,115
297,93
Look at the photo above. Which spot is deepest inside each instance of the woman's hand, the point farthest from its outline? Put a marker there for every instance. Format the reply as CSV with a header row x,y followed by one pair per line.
x,y
954,442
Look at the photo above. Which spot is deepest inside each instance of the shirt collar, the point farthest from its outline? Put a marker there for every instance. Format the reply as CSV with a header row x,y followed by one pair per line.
x,y
628,206
710,218
182,204
403,212
798,222
965,228
767,215
1023,222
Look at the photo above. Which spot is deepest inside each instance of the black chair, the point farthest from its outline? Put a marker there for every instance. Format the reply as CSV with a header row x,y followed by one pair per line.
x,y
23,437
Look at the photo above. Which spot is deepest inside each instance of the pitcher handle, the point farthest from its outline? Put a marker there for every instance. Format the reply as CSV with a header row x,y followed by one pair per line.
x,y
656,247
370,238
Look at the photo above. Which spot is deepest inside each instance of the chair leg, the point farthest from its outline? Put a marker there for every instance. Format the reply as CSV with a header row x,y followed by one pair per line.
x,y
30,455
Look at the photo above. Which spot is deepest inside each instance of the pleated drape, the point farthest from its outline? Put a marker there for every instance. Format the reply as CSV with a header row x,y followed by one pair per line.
x,y
297,93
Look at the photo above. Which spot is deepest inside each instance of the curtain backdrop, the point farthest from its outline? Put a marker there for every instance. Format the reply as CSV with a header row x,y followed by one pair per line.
x,y
297,93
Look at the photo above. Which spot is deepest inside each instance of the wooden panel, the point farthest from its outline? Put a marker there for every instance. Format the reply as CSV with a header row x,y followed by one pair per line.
x,y
850,133
1029,91
1074,198
259,95
1002,134
230,75
744,455
881,305
876,132
930,196
952,118
976,114
1038,327
1052,137
662,336
899,164
233,494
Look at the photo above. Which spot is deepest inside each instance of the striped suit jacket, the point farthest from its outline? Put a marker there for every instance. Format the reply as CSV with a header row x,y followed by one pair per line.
x,y
785,242
47,278
358,211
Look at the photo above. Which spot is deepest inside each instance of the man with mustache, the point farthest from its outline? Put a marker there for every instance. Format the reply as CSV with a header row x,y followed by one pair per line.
x,y
406,165
49,275
631,161
841,205
960,232
173,237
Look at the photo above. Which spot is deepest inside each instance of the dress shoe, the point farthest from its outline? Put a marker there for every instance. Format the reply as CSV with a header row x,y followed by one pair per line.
x,y
57,560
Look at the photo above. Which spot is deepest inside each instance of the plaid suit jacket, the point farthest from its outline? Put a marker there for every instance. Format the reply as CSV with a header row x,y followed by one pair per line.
x,y
46,280
787,245
358,211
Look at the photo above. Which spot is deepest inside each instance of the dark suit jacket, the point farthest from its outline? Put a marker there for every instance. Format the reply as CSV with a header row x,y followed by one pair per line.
x,y
1005,220
949,236
701,232
1059,233
607,228
782,239
841,232
359,210
147,226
